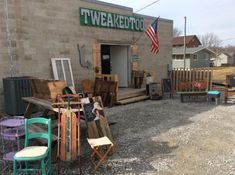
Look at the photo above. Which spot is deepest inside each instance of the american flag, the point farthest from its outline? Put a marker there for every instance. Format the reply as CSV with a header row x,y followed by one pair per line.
x,y
151,31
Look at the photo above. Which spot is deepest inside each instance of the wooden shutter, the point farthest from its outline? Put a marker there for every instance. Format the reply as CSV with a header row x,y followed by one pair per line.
x,y
96,50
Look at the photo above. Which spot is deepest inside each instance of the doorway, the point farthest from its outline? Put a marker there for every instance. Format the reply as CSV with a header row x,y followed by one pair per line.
x,y
114,60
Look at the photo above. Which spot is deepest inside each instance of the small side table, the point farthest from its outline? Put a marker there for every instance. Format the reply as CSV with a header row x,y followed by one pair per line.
x,y
213,94
11,129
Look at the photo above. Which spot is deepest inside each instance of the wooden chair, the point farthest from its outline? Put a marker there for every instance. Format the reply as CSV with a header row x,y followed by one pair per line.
x,y
35,153
101,147
98,87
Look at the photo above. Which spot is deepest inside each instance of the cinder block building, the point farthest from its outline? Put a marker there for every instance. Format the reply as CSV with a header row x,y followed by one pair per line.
x,y
106,33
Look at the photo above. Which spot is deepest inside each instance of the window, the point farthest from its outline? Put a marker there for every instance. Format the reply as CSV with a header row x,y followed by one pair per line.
x,y
62,70
178,57
195,57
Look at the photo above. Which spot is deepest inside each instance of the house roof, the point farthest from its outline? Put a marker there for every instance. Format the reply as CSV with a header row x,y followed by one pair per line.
x,y
180,40
228,54
193,50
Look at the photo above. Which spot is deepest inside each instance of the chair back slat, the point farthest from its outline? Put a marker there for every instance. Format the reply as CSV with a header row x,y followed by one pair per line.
x,y
35,134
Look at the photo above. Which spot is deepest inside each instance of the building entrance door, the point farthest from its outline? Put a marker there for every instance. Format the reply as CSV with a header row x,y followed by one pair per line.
x,y
114,60
119,63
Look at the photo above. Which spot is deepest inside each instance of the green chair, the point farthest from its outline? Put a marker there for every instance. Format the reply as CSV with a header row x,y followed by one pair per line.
x,y
35,154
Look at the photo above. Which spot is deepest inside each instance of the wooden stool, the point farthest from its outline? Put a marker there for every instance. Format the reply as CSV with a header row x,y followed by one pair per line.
x,y
98,151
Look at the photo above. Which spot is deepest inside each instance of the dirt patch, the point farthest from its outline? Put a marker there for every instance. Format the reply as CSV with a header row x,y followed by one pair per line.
x,y
169,137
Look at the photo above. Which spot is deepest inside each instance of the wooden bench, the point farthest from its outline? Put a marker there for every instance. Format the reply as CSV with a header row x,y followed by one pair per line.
x,y
192,93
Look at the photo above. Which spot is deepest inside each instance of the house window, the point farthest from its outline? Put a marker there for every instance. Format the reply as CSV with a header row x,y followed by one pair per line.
x,y
195,57
178,57
62,70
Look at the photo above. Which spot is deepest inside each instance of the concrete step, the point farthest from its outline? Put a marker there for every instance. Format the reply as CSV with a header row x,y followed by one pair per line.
x,y
130,94
132,99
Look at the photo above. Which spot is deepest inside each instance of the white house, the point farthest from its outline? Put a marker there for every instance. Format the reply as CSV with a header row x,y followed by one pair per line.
x,y
224,58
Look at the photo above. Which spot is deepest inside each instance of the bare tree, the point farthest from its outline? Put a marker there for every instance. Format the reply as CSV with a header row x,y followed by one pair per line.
x,y
229,48
210,40
176,32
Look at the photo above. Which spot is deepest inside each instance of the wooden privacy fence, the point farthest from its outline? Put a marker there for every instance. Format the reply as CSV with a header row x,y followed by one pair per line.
x,y
183,77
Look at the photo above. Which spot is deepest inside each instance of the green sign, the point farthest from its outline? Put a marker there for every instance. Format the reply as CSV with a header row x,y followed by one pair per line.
x,y
96,18
135,57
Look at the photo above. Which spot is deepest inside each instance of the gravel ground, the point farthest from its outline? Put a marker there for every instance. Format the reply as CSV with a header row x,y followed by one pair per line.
x,y
167,137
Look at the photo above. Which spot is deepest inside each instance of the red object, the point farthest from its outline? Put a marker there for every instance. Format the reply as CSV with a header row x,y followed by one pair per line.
x,y
151,31
201,85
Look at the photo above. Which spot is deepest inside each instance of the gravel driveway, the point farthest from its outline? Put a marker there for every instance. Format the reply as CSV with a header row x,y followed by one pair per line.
x,y
168,137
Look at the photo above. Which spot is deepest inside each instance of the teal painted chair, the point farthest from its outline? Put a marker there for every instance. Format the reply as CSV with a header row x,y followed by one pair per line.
x,y
35,154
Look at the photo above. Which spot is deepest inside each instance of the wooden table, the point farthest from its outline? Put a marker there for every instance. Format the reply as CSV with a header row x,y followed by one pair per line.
x,y
191,93
46,104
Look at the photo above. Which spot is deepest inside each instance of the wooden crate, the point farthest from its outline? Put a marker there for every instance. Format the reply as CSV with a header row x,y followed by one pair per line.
x,y
47,89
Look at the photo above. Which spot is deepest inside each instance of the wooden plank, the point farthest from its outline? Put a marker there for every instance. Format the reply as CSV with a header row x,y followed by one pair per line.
x,y
73,136
29,110
177,79
63,137
46,104
96,53
133,99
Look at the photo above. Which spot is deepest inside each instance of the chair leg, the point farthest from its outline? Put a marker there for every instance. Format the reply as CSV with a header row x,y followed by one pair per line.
x,y
14,167
103,158
50,168
26,167
43,167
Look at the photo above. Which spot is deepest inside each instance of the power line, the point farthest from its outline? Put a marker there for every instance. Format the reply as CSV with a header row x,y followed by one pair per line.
x,y
147,6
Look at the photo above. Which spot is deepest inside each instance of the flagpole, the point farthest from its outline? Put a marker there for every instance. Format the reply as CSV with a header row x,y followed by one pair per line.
x,y
184,42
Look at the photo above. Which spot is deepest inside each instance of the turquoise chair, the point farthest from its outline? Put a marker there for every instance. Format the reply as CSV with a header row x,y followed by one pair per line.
x,y
41,154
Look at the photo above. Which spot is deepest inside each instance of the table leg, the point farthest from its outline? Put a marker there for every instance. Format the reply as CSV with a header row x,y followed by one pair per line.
x,y
29,110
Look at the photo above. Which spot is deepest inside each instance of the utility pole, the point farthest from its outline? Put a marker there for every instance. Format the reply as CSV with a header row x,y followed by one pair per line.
x,y
184,42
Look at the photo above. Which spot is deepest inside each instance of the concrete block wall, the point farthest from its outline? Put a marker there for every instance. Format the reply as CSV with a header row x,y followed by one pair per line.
x,y
45,29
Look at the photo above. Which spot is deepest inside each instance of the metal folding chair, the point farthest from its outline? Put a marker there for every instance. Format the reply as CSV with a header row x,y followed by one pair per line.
x,y
101,147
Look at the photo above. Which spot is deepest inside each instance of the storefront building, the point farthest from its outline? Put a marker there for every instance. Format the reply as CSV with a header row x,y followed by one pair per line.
x,y
110,38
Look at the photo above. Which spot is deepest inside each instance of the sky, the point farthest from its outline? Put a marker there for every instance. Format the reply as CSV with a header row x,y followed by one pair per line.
x,y
203,16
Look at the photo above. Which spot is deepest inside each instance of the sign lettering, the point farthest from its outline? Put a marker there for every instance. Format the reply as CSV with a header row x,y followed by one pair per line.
x,y
96,18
